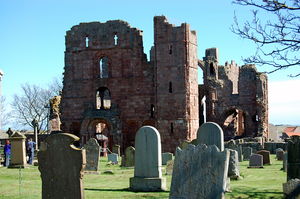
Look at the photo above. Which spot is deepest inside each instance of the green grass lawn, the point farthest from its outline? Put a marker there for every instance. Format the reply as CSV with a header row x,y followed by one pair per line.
x,y
26,183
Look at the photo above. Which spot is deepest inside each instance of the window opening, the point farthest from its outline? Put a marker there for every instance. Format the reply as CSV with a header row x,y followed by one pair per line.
x,y
103,66
103,99
152,110
172,128
170,87
170,49
86,42
212,69
116,39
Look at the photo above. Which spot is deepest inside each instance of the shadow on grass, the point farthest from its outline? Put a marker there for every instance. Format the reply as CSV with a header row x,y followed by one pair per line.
x,y
254,193
123,190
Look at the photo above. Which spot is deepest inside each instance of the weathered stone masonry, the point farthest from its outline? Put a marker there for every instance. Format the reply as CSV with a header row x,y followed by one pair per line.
x,y
108,80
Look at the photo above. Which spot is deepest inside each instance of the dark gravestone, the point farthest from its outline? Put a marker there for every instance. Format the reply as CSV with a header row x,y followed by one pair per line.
x,y
256,161
247,152
92,149
199,172
284,162
166,157
61,165
293,160
266,156
279,154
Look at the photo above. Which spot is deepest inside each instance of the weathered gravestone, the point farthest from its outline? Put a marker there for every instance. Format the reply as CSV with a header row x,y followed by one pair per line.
x,y
129,157
18,151
247,151
293,160
291,189
166,157
284,162
232,145
116,149
147,170
266,156
113,158
233,169
211,133
279,154
256,161
92,149
61,165
199,172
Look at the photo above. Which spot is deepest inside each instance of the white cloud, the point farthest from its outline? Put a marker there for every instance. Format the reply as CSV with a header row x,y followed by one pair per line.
x,y
284,102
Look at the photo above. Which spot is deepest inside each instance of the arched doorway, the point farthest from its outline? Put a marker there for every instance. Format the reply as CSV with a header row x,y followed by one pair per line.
x,y
234,123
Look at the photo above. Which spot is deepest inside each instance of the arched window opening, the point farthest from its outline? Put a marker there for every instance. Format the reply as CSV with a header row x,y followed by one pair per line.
x,y
170,49
172,128
152,110
234,123
86,41
212,69
103,66
170,87
116,39
103,99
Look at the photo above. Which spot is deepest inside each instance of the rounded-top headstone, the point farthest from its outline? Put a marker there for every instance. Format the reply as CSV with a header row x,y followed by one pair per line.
x,y
211,133
147,153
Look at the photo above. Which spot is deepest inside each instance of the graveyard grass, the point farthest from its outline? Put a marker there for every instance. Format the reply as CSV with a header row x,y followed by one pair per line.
x,y
26,183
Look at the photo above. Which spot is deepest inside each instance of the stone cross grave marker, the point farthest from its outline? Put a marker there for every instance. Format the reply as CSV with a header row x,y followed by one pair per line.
x,y
266,156
199,172
147,171
256,161
61,165
211,133
92,149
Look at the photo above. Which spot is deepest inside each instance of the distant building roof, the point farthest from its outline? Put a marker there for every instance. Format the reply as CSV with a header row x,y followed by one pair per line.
x,y
290,129
293,134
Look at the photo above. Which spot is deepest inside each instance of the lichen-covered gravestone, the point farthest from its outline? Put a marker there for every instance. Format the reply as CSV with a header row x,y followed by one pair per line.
x,y
233,169
147,170
199,172
256,161
92,149
129,156
166,157
211,133
61,165
266,156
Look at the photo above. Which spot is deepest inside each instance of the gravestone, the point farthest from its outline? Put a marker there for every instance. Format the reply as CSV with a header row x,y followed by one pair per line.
x,y
279,154
291,188
92,149
18,151
113,158
61,165
199,172
116,149
266,156
211,133
129,157
232,145
284,162
233,169
293,159
147,170
256,161
166,157
247,151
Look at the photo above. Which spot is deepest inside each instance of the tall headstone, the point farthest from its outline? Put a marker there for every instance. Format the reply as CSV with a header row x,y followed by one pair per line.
x,y
256,161
266,156
61,165
211,133
199,172
18,151
92,149
129,156
166,157
293,160
247,151
147,171
284,162
233,169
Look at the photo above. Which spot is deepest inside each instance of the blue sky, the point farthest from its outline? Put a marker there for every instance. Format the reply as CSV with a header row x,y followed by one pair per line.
x,y
32,39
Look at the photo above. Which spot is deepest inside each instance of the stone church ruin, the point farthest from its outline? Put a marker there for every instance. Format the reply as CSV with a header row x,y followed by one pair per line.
x,y
111,89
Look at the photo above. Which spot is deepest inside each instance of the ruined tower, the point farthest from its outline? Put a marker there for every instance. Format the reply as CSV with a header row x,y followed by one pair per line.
x,y
111,89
